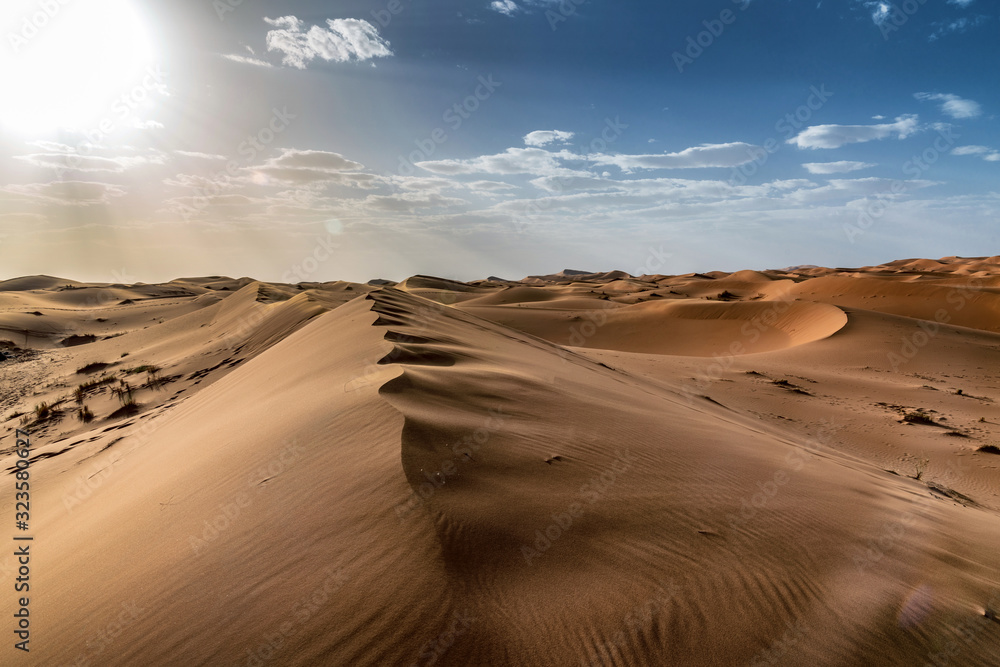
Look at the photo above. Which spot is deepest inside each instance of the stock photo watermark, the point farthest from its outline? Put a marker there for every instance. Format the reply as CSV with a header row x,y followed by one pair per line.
x,y
35,22
613,129
251,147
915,167
454,117
788,125
697,44
588,494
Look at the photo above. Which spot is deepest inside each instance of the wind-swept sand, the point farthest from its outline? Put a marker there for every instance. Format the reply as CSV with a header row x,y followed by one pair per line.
x,y
783,467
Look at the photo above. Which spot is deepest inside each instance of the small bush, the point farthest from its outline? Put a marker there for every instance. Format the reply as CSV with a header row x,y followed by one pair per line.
x,y
920,466
81,390
145,368
43,411
85,415
92,368
152,379
919,417
989,449
124,393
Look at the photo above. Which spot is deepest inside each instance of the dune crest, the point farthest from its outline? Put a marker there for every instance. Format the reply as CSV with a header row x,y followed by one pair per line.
x,y
786,467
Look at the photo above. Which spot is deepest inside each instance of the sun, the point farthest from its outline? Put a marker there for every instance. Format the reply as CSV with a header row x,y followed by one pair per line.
x,y
69,64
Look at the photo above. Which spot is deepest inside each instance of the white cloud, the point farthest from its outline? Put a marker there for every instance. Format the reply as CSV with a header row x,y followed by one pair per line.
x,y
52,146
988,154
68,193
953,105
855,188
880,11
539,162
512,161
200,156
200,183
344,40
308,159
305,167
959,25
409,202
246,60
75,162
840,167
71,162
706,155
835,136
506,7
540,138
490,186
960,3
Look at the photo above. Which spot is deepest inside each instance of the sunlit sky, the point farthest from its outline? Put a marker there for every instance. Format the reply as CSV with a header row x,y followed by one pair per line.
x,y
291,141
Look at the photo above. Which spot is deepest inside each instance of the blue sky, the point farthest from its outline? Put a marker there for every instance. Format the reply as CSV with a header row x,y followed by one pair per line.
x,y
382,138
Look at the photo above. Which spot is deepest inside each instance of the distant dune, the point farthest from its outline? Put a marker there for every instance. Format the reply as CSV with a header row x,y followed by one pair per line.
x,y
794,467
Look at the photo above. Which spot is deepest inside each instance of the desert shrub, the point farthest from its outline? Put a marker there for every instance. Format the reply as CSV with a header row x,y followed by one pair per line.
x,y
124,393
145,368
93,367
919,417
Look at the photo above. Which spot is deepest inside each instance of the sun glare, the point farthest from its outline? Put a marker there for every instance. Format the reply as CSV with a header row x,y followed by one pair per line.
x,y
70,64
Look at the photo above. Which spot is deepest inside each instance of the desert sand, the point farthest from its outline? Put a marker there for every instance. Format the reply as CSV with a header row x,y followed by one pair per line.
x,y
787,467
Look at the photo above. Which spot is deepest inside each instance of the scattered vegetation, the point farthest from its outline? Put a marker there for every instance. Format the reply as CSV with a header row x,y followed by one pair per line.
x,y
124,393
15,415
919,417
726,295
919,465
43,411
82,390
145,368
153,380
85,415
92,368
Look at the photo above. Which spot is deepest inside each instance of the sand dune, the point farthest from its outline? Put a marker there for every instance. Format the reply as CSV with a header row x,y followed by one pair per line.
x,y
764,467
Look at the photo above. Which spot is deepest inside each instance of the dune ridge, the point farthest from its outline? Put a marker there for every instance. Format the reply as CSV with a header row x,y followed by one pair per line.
x,y
468,474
